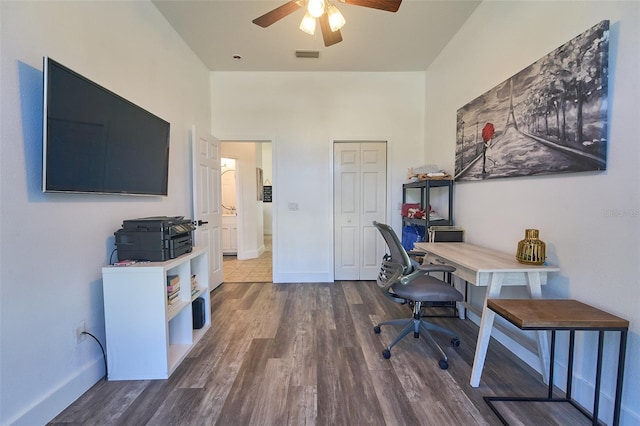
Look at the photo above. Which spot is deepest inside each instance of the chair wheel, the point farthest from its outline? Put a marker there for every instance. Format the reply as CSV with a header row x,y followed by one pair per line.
x,y
376,329
455,342
444,364
386,354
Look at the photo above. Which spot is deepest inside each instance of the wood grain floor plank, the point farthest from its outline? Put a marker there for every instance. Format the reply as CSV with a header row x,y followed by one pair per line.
x,y
198,372
331,409
217,391
394,404
345,390
548,414
179,408
323,314
304,358
223,374
270,406
295,337
266,312
105,400
370,297
249,296
367,339
342,316
358,389
351,294
302,406
306,354
240,401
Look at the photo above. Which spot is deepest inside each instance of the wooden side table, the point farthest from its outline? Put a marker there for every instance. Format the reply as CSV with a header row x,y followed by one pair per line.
x,y
571,315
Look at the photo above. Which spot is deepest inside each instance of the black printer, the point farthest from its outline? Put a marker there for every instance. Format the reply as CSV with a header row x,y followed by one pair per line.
x,y
155,239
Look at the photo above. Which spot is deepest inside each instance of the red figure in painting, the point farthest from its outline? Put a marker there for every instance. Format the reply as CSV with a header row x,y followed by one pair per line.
x,y
487,134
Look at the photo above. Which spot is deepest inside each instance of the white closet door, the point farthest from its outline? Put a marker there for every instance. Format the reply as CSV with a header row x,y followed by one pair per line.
x,y
360,196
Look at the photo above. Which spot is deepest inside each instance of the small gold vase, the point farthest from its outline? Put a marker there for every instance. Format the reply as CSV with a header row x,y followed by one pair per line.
x,y
531,250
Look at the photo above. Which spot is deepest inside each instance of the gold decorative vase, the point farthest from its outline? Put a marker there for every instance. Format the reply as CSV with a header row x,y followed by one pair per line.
x,y
531,250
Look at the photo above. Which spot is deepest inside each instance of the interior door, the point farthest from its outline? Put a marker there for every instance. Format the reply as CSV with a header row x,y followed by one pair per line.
x,y
360,196
206,201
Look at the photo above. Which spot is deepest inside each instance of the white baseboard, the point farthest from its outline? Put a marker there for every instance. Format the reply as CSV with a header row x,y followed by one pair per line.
x,y
250,254
306,277
50,405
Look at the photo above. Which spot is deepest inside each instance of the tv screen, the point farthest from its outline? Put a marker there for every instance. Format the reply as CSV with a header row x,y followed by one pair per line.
x,y
95,141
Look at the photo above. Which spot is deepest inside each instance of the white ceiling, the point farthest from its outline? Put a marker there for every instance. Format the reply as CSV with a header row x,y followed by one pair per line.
x,y
373,40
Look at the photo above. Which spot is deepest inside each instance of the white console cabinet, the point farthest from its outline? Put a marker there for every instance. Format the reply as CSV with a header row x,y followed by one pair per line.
x,y
147,337
229,234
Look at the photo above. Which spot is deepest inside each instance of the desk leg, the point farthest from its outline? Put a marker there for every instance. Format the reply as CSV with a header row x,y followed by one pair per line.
x,y
621,356
486,324
461,285
535,292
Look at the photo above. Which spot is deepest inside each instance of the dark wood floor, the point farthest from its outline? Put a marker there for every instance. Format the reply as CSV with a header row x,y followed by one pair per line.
x,y
306,354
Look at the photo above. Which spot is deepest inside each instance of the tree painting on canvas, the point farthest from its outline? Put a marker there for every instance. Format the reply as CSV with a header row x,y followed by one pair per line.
x,y
551,117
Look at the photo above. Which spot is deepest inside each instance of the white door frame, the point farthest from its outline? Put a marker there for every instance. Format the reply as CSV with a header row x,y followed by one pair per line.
x,y
274,183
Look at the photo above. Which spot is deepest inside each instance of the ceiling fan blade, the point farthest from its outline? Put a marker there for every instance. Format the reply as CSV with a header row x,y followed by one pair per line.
x,y
276,14
387,5
330,37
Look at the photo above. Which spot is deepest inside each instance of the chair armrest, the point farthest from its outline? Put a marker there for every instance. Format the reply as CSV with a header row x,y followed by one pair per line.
x,y
416,257
435,268
421,270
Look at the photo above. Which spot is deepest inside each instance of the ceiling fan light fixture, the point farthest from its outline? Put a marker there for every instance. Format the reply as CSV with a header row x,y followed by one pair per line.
x,y
336,20
331,20
308,24
316,7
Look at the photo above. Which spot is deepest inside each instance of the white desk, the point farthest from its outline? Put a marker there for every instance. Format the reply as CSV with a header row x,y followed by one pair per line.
x,y
493,269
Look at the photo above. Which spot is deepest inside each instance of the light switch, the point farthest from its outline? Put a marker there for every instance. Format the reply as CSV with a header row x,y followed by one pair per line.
x,y
293,207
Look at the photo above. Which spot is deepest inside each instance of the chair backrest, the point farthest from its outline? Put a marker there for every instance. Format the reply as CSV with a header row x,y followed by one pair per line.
x,y
397,253
390,274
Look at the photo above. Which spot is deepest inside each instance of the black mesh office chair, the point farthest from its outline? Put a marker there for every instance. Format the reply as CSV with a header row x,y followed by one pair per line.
x,y
404,281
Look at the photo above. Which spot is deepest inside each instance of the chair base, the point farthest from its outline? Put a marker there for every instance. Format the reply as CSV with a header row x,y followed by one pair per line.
x,y
416,324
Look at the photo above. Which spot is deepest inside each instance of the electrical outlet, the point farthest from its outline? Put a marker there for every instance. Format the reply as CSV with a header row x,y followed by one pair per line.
x,y
79,332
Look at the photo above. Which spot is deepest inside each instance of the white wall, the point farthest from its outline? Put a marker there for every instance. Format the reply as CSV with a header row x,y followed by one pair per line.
x,y
302,114
590,221
54,245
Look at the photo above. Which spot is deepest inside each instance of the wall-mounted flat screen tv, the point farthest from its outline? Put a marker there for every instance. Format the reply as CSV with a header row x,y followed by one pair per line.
x,y
95,141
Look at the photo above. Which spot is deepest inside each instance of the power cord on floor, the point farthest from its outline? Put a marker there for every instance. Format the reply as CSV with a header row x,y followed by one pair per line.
x,y
104,355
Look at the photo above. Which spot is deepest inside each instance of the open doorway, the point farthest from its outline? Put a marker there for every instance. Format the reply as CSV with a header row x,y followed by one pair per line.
x,y
247,214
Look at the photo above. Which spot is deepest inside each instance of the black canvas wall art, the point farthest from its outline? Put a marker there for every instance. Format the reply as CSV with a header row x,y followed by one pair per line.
x,y
551,117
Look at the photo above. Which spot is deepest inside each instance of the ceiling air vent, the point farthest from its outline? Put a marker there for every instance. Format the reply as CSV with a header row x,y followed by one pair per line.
x,y
307,54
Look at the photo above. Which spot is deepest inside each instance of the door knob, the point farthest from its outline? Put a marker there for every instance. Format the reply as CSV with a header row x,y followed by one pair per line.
x,y
201,222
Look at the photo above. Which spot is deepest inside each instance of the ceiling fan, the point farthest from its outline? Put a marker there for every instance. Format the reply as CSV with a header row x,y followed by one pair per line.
x,y
331,20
